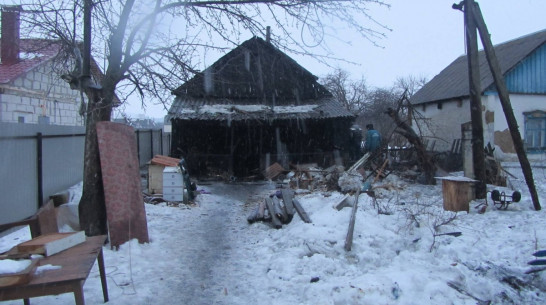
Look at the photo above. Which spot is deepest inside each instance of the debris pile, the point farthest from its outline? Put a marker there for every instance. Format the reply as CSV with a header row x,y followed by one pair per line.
x,y
278,209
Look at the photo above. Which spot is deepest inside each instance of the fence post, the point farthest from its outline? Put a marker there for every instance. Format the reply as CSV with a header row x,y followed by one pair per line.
x,y
138,145
151,143
161,141
39,168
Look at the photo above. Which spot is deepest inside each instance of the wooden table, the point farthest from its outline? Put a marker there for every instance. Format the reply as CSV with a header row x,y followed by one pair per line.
x,y
76,263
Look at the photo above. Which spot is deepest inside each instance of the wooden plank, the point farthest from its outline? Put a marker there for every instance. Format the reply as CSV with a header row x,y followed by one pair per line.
x,y
287,196
301,211
380,171
349,238
342,203
359,162
53,243
274,220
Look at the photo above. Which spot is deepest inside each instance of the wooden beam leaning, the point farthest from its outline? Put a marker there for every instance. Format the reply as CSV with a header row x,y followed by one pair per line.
x,y
505,102
301,211
274,220
287,196
349,238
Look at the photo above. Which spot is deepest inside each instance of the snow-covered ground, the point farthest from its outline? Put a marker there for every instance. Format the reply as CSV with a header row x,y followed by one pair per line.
x,y
209,254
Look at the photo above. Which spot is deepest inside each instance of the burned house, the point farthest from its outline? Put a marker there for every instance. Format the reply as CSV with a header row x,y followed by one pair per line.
x,y
253,107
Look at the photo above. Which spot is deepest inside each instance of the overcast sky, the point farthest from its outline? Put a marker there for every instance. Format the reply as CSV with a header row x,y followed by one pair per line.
x,y
426,36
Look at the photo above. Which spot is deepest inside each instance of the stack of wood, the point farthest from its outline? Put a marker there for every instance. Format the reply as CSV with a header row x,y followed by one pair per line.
x,y
278,211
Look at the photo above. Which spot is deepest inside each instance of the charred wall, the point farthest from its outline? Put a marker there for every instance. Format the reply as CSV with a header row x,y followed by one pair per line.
x,y
242,148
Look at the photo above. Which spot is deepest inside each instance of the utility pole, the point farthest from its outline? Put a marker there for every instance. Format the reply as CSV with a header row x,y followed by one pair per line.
x,y
505,102
478,154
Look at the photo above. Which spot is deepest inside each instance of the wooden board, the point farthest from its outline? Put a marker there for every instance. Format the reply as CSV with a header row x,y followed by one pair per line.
x,y
52,243
125,209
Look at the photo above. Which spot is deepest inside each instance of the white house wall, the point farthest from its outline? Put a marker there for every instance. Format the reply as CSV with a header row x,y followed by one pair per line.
x,y
520,103
444,125
40,93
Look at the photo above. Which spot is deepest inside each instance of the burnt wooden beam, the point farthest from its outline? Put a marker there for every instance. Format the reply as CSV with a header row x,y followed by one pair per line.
x,y
279,210
301,211
287,196
274,220
350,231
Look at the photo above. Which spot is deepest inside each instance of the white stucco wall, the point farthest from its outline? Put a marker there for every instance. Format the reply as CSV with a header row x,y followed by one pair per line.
x,y
445,123
40,93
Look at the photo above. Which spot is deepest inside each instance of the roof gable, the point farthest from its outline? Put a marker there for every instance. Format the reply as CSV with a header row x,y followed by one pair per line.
x,y
33,53
255,70
528,76
452,82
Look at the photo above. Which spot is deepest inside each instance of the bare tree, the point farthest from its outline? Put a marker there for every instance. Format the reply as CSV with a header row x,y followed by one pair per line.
x,y
351,94
409,84
150,47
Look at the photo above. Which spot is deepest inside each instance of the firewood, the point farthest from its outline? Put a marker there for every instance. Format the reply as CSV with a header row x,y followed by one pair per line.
x,y
279,210
287,196
301,211
274,220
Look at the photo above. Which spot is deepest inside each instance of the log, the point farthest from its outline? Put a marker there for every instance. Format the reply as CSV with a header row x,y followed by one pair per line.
x,y
274,220
349,238
261,210
287,196
253,217
301,211
257,214
279,210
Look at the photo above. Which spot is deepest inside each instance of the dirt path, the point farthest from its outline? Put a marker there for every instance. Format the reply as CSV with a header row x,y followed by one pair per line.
x,y
209,239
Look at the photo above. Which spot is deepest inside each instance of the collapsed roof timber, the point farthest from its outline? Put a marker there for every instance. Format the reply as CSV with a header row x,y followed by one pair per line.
x,y
253,107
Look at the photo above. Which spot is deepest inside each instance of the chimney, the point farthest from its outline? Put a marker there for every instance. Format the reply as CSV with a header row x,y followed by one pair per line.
x,y
10,34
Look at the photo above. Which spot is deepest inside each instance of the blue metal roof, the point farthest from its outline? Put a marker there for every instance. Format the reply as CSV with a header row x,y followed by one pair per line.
x,y
452,82
529,76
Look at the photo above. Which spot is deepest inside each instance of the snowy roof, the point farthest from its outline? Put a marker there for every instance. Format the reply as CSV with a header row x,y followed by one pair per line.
x,y
254,81
452,82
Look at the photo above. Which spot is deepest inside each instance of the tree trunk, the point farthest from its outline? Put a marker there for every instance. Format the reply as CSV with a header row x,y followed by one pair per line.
x,y
425,161
92,209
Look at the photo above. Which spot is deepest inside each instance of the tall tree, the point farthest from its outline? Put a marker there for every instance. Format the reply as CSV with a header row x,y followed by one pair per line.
x,y
351,94
150,47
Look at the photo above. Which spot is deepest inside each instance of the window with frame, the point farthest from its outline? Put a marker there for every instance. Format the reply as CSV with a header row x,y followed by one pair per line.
x,y
535,131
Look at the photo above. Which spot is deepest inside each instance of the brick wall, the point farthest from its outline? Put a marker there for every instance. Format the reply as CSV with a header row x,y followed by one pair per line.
x,y
40,96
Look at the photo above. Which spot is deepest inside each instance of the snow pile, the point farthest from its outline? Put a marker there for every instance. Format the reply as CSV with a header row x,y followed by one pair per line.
x,y
350,182
406,250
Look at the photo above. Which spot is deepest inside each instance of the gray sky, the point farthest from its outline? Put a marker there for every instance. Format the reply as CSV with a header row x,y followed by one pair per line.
x,y
426,36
